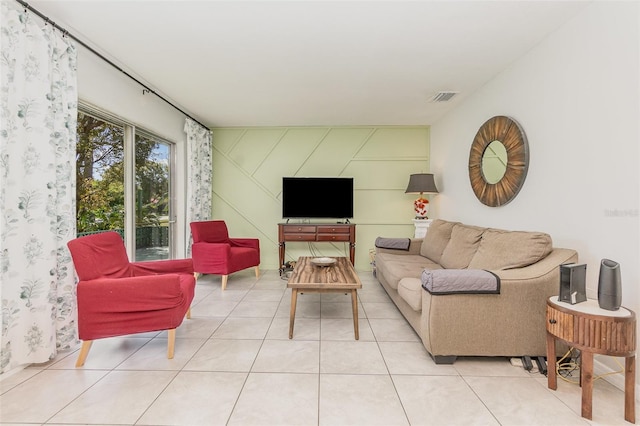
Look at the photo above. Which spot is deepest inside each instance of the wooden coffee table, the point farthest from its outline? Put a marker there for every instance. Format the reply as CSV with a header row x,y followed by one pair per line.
x,y
337,278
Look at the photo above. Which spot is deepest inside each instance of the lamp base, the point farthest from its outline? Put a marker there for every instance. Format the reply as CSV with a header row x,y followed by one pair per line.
x,y
421,207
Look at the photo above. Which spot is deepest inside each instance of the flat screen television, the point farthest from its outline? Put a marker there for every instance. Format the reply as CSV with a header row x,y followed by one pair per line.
x,y
317,197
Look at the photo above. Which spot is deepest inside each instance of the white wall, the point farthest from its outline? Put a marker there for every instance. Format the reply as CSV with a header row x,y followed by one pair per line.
x,y
576,95
107,88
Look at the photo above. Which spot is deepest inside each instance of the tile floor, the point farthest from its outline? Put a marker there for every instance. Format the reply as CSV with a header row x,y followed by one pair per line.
x,y
234,365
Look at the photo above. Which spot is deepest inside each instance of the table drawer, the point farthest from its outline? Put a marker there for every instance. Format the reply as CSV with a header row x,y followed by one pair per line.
x,y
299,229
299,237
333,230
560,324
333,237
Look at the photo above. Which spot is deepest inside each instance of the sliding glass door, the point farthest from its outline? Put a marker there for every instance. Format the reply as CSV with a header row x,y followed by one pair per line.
x,y
153,195
124,184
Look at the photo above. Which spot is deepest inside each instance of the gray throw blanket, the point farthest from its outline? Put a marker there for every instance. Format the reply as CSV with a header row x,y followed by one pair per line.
x,y
455,281
393,243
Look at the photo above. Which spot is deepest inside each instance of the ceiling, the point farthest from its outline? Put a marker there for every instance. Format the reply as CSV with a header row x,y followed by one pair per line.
x,y
306,63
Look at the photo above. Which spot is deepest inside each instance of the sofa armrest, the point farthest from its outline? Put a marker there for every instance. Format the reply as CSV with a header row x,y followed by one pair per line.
x,y
245,242
414,248
132,294
557,257
155,267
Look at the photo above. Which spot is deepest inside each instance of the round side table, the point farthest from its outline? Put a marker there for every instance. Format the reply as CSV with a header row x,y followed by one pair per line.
x,y
594,331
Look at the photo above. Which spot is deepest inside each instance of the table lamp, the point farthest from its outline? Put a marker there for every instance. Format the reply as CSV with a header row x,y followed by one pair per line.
x,y
421,183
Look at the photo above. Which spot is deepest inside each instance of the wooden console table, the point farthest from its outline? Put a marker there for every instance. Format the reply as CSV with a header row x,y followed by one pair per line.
x,y
593,331
320,232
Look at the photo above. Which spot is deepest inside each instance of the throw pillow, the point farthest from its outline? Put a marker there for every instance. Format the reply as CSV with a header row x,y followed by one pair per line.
x,y
501,249
437,238
461,247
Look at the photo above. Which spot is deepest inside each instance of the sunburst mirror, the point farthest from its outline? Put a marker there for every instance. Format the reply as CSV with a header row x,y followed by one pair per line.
x,y
498,161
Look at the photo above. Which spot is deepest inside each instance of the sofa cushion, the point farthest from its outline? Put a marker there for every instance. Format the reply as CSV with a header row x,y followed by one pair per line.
x,y
410,289
394,267
499,249
437,238
461,247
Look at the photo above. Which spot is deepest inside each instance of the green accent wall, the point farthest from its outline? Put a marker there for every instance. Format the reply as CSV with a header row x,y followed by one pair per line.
x,y
249,163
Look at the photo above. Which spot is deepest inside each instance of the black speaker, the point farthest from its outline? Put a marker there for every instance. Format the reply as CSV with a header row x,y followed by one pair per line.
x,y
573,283
609,285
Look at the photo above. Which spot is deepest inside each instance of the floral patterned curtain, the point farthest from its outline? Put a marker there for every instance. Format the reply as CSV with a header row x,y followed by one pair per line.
x,y
199,173
38,103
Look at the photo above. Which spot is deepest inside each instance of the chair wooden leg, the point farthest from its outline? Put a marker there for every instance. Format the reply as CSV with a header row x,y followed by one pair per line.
x,y
189,313
224,281
171,343
84,351
257,268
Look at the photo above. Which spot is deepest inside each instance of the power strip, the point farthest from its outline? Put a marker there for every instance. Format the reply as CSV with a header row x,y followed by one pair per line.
x,y
526,363
542,365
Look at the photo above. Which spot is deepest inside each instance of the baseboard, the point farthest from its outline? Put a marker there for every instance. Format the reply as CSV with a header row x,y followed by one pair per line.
x,y
616,380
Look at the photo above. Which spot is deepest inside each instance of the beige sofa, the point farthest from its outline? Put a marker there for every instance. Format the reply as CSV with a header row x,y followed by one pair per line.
x,y
511,323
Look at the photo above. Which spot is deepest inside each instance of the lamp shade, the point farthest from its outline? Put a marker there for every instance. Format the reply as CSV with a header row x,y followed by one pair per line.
x,y
421,183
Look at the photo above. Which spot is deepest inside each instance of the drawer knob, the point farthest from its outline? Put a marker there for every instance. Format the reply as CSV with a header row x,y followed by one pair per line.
x,y
552,321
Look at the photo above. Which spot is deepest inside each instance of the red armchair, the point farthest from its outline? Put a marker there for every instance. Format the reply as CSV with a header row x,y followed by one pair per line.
x,y
117,297
213,252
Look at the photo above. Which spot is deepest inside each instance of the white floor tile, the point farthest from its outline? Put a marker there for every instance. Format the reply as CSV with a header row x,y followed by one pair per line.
x,y
304,329
105,354
249,309
489,366
359,400
202,328
40,397
277,399
153,355
303,309
441,400
288,356
521,400
412,358
393,330
130,394
607,402
352,357
342,329
340,310
381,310
225,355
242,328
263,295
203,398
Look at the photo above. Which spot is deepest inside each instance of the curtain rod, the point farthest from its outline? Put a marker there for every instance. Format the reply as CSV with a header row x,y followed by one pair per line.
x,y
145,88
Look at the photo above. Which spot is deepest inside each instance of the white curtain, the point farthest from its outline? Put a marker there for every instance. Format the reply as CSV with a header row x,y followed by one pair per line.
x,y
199,174
38,104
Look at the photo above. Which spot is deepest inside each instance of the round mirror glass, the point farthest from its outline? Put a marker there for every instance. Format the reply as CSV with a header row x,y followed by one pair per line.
x,y
498,161
494,162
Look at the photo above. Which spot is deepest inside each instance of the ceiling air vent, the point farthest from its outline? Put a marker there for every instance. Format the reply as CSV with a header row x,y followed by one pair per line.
x,y
443,96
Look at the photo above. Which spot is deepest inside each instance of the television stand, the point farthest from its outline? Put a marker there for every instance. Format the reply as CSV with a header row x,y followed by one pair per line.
x,y
317,232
